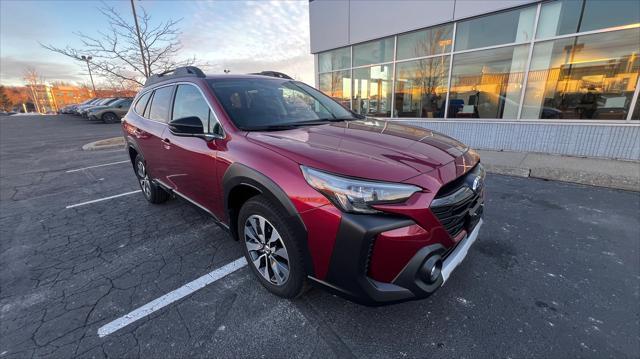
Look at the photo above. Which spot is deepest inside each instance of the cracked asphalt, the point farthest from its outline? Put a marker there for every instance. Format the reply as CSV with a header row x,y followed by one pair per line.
x,y
555,272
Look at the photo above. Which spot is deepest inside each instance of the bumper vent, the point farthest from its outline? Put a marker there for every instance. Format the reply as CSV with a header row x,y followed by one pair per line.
x,y
458,208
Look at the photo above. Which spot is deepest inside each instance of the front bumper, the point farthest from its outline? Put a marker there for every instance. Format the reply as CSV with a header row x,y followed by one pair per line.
x,y
348,269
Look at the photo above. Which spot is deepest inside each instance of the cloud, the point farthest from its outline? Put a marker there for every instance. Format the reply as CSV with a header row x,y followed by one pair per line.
x,y
251,36
12,70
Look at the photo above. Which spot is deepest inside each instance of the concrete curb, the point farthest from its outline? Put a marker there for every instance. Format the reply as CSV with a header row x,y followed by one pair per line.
x,y
570,176
109,143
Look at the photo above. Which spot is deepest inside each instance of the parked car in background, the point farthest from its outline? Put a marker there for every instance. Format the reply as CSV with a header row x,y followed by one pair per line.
x,y
374,210
112,112
105,102
76,110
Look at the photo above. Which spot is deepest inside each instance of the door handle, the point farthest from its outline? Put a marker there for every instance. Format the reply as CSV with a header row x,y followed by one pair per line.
x,y
166,143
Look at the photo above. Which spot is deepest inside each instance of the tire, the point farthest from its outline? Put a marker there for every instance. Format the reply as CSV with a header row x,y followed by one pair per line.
x,y
151,191
263,248
110,117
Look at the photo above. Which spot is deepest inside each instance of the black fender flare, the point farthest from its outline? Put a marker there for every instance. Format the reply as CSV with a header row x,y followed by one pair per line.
x,y
240,175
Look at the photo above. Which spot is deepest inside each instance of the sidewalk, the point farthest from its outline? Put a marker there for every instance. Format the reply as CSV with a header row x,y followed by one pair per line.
x,y
590,171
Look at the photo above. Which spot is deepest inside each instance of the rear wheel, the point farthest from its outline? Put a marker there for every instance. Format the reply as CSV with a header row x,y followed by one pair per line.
x,y
109,117
271,248
151,191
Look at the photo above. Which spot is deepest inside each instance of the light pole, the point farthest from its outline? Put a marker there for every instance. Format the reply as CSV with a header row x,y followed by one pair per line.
x,y
147,71
87,59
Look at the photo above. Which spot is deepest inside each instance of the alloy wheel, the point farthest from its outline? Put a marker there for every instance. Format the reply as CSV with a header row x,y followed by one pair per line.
x,y
143,177
266,249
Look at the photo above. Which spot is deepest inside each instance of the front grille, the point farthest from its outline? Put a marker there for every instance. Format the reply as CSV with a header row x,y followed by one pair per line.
x,y
453,206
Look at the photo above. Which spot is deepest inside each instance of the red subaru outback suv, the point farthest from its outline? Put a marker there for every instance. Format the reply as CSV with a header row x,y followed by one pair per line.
x,y
375,210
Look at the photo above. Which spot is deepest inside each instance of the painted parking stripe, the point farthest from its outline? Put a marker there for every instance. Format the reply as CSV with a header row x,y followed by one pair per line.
x,y
96,166
102,199
171,297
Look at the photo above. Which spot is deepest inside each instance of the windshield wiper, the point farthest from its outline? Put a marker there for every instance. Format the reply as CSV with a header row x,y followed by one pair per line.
x,y
291,125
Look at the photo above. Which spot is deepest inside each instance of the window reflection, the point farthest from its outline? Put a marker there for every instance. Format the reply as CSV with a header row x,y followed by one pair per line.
x,y
422,43
585,77
337,85
338,59
570,16
487,84
421,87
374,52
501,28
372,90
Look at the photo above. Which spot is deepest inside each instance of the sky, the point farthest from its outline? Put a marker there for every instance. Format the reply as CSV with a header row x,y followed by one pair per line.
x,y
242,36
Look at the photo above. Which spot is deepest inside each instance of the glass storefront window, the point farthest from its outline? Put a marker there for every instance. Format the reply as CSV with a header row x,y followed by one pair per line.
x,y
338,59
584,77
571,16
372,90
496,29
373,52
488,83
337,85
421,87
434,41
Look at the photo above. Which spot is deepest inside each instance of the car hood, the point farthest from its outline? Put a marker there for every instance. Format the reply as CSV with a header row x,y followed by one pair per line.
x,y
374,149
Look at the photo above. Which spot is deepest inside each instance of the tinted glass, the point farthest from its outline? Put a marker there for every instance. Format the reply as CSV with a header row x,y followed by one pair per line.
x,y
334,60
487,84
190,103
428,42
585,77
373,52
421,87
257,104
142,102
636,112
372,91
501,28
160,104
571,16
338,86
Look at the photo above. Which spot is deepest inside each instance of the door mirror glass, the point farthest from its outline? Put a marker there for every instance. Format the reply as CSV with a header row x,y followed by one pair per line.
x,y
187,126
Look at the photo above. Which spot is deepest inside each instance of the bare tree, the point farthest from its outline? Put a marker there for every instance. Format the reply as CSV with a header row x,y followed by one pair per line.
x,y
116,51
33,80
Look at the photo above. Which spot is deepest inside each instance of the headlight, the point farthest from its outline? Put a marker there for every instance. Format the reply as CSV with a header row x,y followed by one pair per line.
x,y
357,196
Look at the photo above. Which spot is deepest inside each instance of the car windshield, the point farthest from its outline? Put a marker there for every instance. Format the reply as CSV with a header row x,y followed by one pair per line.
x,y
271,104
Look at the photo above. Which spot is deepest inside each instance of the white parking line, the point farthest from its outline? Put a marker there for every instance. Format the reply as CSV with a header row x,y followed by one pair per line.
x,y
106,164
171,297
102,199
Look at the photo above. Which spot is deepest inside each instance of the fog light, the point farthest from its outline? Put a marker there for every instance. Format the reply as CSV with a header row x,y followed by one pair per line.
x,y
432,269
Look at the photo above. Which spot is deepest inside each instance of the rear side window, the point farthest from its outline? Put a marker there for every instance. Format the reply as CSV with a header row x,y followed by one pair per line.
x,y
142,102
160,104
190,103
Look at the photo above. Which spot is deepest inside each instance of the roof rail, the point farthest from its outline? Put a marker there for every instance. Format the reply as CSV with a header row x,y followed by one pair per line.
x,y
186,71
273,74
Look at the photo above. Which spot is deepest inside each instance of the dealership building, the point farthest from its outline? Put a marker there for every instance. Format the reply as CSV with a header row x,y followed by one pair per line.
x,y
518,75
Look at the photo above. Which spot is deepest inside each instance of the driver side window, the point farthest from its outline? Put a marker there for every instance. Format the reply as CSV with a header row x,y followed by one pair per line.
x,y
190,103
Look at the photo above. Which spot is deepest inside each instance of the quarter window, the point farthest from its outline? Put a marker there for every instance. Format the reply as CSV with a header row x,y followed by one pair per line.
x,y
142,103
160,104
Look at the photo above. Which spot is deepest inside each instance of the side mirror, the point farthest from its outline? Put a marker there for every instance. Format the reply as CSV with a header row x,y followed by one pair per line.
x,y
187,126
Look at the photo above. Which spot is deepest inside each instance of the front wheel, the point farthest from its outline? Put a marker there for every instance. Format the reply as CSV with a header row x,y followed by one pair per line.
x,y
151,191
270,247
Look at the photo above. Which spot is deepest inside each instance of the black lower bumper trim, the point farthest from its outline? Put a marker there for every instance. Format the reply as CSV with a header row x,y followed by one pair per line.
x,y
347,275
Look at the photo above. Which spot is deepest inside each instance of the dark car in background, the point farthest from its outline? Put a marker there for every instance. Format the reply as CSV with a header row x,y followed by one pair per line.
x,y
104,102
111,112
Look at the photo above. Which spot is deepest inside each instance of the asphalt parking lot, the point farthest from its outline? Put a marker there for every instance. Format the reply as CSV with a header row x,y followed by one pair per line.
x,y
555,272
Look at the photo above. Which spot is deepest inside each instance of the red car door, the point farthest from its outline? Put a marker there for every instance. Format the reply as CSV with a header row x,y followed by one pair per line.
x,y
150,135
191,161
